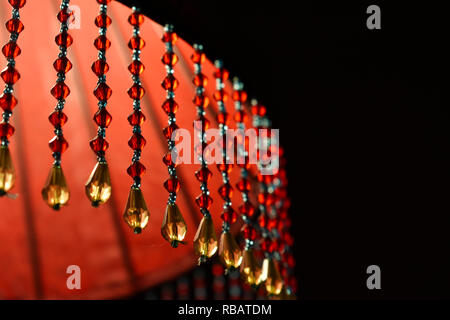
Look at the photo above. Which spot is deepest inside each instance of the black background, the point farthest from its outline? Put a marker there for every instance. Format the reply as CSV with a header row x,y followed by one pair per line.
x,y
362,116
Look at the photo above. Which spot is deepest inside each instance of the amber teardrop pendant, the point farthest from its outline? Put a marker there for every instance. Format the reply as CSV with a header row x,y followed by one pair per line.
x,y
136,212
250,269
271,277
98,186
7,172
174,227
55,192
229,251
205,240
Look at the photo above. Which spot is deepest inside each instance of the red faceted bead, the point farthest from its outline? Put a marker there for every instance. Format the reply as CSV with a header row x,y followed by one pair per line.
x,y
99,144
103,92
58,118
221,95
102,118
7,101
201,101
170,83
58,144
170,106
203,174
6,130
240,116
10,75
102,43
136,67
198,57
202,124
222,74
170,37
100,67
103,21
240,96
259,110
137,142
247,209
265,244
64,39
64,15
136,43
136,19
62,65
200,80
249,232
244,185
137,169
136,92
60,91
103,1
11,50
229,215
168,161
170,59
17,3
14,25
226,191
169,130
172,185
223,118
137,118
204,201
225,167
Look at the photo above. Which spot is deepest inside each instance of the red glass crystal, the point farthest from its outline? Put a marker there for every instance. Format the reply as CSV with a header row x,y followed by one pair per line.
x,y
202,124
170,106
201,101
102,43
244,185
102,118
100,67
103,1
136,92
137,169
170,83
64,15
240,96
168,161
102,92
198,57
240,116
204,201
10,75
14,25
6,130
225,167
136,43
170,37
64,39
169,130
221,74
203,174
60,91
259,110
172,185
17,3
136,67
229,215
226,191
221,95
137,142
7,101
223,118
247,209
103,21
170,58
58,118
249,232
137,118
11,50
62,65
136,19
200,80
99,144
58,144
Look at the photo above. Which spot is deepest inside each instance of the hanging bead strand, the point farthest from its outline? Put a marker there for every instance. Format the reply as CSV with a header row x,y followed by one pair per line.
x,y
98,187
205,241
8,101
56,192
174,227
136,212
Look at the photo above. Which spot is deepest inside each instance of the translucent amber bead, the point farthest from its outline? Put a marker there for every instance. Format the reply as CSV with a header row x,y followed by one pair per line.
x,y
229,251
98,186
271,277
7,172
174,227
136,213
205,240
250,269
56,193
